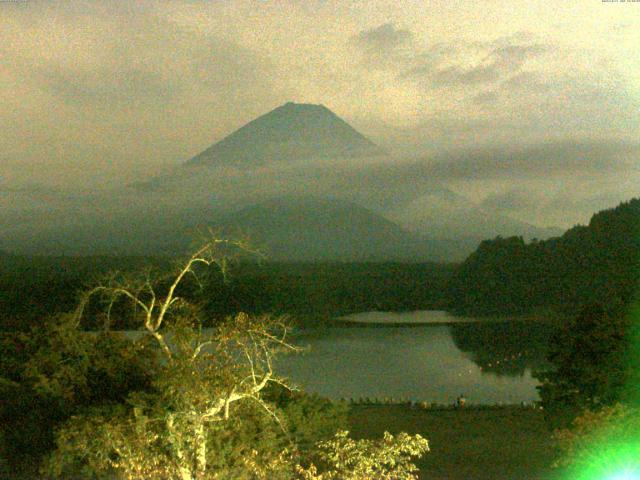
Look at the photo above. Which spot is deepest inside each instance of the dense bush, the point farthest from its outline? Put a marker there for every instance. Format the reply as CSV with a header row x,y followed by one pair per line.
x,y
589,364
601,444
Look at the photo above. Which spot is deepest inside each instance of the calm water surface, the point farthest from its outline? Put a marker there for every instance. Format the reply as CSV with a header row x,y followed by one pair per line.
x,y
433,362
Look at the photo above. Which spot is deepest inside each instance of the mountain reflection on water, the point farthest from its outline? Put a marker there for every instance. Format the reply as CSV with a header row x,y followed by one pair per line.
x,y
487,362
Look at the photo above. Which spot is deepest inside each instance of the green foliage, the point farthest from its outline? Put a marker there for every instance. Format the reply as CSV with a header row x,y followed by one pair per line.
x,y
311,419
325,289
588,356
390,458
27,422
504,348
601,444
496,277
35,287
597,263
204,408
161,434
164,431
329,288
82,368
57,371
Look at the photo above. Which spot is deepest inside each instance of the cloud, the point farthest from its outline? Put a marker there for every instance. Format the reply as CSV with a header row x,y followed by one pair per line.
x,y
510,201
384,38
465,76
621,27
529,162
384,46
105,86
383,183
521,86
113,63
567,204
115,92
475,63
565,104
486,97
578,169
105,92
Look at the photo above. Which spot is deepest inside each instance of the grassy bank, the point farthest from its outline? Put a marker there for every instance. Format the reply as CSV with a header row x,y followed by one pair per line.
x,y
472,444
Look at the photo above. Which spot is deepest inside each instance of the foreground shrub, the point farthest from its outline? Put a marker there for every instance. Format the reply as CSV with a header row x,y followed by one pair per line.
x,y
602,444
343,458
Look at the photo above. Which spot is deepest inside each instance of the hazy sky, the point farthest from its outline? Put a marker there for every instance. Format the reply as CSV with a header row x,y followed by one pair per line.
x,y
109,92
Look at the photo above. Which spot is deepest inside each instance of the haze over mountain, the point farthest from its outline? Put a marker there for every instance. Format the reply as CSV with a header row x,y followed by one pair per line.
x,y
296,174
443,213
307,228
303,148
291,132
535,120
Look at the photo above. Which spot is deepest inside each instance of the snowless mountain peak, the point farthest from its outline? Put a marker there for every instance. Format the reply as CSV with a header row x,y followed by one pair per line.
x,y
289,133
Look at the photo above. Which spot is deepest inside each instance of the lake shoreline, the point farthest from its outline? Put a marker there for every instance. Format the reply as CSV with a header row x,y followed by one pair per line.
x,y
489,362
443,318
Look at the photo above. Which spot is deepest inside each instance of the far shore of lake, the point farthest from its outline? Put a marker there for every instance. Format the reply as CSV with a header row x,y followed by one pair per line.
x,y
419,317
438,317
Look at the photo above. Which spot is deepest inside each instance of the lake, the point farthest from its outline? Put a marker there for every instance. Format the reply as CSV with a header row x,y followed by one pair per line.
x,y
420,356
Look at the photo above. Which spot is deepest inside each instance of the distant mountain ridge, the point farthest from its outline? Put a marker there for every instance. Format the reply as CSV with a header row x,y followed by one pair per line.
x,y
293,131
443,213
304,228
297,178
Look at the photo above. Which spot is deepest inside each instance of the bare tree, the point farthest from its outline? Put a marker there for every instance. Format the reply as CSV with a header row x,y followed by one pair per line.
x,y
203,373
203,381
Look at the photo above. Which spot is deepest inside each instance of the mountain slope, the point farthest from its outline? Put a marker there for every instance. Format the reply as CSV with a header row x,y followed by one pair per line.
x,y
443,213
308,229
288,133
595,263
294,151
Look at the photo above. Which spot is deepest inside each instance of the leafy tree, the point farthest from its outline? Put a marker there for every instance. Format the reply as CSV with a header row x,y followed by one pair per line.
x,y
55,372
214,406
343,458
588,355
198,382
594,263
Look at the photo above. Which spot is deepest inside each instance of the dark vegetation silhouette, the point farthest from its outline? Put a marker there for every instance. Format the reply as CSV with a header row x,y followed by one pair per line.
x,y
310,290
594,263
589,275
504,348
598,263
588,356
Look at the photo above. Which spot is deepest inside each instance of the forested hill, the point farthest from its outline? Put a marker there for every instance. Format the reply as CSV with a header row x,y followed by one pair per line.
x,y
595,263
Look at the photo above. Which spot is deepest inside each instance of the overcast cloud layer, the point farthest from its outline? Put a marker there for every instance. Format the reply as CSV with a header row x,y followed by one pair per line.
x,y
527,107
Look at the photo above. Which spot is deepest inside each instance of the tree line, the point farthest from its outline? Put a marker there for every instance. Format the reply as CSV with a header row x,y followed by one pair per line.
x,y
597,263
318,290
